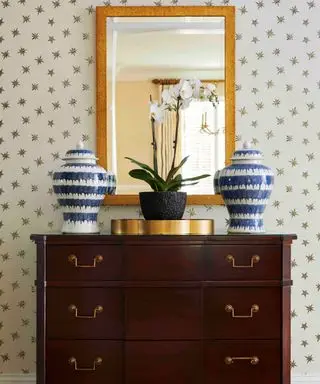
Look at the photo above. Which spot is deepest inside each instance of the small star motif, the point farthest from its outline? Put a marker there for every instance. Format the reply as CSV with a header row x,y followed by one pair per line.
x,y
22,51
15,32
39,9
311,4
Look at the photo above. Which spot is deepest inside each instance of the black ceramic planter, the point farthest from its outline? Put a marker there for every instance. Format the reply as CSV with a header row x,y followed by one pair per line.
x,y
163,205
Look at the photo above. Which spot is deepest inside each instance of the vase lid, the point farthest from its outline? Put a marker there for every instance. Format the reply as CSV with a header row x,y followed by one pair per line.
x,y
80,153
247,153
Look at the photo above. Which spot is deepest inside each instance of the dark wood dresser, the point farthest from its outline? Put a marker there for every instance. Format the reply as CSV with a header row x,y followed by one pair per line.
x,y
163,309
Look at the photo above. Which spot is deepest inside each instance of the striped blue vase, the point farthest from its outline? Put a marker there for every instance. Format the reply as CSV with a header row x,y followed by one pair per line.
x,y
246,186
80,185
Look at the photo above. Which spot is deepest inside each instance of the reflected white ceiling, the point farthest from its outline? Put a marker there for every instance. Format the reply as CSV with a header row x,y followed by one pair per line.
x,y
168,48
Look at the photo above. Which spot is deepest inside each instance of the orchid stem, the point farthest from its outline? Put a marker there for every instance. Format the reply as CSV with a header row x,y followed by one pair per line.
x,y
176,135
154,143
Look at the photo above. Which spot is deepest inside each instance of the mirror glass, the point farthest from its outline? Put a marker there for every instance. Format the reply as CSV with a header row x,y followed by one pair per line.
x,y
145,56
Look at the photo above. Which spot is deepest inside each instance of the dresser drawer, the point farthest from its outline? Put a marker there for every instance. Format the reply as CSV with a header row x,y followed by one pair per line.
x,y
245,262
83,262
242,313
163,313
159,362
84,313
163,262
84,362
243,362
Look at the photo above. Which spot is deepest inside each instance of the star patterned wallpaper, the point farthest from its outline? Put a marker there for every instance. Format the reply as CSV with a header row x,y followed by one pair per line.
x,y
47,103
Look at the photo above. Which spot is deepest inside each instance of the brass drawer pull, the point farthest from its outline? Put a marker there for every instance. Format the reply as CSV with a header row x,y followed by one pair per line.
x,y
74,260
97,361
254,360
254,260
73,308
254,308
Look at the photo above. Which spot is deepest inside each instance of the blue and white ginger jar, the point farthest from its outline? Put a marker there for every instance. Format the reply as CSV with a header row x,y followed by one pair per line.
x,y
80,185
245,186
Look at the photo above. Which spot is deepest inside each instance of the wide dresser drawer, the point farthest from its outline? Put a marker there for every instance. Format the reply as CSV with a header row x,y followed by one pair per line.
x,y
84,313
84,362
242,313
83,262
243,362
245,262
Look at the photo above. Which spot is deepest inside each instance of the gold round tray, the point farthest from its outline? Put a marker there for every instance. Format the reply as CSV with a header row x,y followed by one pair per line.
x,y
162,227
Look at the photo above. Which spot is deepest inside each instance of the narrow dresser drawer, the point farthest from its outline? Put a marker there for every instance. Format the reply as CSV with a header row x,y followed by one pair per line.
x,y
243,362
160,362
84,313
242,313
163,262
83,262
163,313
84,362
245,262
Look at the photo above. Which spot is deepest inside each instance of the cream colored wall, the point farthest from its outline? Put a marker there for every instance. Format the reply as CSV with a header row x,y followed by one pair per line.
x,y
134,135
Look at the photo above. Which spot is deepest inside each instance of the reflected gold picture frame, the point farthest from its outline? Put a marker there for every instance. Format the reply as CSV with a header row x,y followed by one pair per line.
x,y
102,13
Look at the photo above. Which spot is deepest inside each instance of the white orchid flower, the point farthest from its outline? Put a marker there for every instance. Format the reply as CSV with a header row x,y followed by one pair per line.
x,y
156,112
211,87
167,97
175,90
206,92
185,103
186,91
196,85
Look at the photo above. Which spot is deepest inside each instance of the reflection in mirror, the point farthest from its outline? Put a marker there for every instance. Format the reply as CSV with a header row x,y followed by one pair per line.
x,y
147,55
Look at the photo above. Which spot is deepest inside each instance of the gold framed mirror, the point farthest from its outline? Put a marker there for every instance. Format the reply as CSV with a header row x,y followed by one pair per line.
x,y
140,51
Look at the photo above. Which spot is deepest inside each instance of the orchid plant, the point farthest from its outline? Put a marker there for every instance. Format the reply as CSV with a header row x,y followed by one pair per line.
x,y
174,99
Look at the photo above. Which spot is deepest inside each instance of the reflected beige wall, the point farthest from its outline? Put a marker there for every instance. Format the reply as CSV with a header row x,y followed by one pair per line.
x,y
134,134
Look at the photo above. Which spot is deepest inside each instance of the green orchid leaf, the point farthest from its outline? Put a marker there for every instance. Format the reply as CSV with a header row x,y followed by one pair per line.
x,y
141,174
144,175
147,168
181,182
174,170
196,178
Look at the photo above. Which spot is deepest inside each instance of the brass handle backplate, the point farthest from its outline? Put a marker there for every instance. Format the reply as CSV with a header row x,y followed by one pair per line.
x,y
254,260
254,360
97,361
73,308
73,259
254,308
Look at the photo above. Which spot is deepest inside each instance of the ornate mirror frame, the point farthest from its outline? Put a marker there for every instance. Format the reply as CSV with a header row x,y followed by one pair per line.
x,y
102,13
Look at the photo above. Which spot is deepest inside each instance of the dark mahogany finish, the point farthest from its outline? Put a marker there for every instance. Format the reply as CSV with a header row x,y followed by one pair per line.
x,y
84,313
163,309
163,313
164,262
217,266
85,368
178,362
264,324
266,371
60,267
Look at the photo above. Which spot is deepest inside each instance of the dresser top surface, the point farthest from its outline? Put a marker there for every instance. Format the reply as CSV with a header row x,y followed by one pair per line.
x,y
105,238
